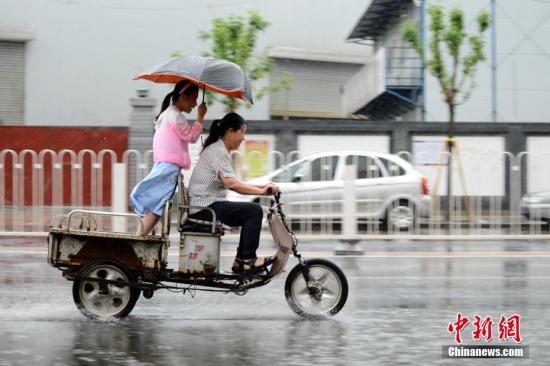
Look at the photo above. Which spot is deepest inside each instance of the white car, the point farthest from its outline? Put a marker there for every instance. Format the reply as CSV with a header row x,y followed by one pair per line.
x,y
388,188
536,206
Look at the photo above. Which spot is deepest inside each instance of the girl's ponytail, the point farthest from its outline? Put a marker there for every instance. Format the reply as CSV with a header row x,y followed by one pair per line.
x,y
219,127
165,104
213,134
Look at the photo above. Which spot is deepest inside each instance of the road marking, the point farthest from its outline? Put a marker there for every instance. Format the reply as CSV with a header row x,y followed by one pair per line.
x,y
174,252
417,278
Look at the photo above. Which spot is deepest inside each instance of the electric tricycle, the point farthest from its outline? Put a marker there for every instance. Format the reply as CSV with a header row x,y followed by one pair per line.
x,y
110,270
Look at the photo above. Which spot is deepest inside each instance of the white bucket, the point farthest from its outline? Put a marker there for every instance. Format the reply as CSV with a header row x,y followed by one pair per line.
x,y
199,253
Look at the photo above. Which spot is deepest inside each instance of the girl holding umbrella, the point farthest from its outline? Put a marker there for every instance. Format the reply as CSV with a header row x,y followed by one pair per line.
x,y
173,134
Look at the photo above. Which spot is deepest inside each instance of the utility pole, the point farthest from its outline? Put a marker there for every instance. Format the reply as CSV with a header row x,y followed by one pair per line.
x,y
493,61
422,64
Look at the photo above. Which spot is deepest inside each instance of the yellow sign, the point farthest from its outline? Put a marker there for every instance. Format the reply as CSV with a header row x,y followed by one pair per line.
x,y
256,154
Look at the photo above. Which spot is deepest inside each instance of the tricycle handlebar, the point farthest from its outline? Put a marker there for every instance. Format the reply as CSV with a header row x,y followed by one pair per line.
x,y
277,195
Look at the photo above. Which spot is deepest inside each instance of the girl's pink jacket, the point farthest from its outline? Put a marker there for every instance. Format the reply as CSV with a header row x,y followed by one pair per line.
x,y
172,138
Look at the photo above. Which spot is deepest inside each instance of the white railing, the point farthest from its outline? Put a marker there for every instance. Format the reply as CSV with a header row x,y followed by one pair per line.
x,y
37,186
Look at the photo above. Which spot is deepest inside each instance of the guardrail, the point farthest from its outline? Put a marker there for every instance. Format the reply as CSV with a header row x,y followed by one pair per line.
x,y
37,186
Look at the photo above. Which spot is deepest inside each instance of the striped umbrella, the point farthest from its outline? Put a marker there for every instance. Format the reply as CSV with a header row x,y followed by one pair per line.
x,y
216,75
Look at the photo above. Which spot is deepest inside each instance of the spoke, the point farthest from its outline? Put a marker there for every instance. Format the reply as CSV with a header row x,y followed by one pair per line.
x,y
305,301
304,291
112,275
323,279
91,297
328,292
117,291
331,294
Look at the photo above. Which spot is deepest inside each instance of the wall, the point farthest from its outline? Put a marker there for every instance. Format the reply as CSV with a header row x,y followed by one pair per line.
x,y
538,164
19,138
80,64
311,144
481,163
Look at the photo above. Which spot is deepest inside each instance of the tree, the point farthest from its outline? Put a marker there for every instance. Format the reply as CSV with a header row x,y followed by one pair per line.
x,y
457,79
234,39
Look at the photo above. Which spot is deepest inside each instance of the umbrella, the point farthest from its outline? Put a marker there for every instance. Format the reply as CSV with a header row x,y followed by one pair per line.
x,y
216,75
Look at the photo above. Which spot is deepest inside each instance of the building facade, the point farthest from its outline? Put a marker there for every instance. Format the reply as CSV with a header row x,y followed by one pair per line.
x,y
71,62
396,88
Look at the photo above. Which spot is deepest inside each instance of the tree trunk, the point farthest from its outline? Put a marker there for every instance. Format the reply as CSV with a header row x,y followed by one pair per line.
x,y
450,145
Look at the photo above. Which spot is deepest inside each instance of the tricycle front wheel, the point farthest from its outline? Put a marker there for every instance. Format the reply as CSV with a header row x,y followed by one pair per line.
x,y
97,299
326,293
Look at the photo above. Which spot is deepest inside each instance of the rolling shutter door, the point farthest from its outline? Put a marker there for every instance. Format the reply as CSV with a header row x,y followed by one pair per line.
x,y
316,91
12,78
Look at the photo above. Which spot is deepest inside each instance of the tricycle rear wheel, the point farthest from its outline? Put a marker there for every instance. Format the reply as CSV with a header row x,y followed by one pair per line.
x,y
326,294
105,300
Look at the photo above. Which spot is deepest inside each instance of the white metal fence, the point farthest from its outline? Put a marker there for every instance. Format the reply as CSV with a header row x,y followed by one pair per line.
x,y
342,197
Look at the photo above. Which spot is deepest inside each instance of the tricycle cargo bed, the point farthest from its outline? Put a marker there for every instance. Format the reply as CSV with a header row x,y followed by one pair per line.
x,y
143,254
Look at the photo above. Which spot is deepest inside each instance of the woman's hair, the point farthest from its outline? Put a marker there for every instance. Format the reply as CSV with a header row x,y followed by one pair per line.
x,y
219,127
184,87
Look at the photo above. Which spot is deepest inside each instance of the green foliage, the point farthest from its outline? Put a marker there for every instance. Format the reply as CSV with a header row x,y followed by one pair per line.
x,y
234,39
176,54
411,36
452,35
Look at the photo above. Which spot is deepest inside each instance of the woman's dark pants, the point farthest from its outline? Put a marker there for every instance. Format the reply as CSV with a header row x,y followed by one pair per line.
x,y
248,215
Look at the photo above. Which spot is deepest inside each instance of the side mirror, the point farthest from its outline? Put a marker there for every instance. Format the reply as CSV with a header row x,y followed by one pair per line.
x,y
296,179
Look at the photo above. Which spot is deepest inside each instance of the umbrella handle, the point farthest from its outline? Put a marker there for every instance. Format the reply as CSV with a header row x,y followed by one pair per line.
x,y
203,93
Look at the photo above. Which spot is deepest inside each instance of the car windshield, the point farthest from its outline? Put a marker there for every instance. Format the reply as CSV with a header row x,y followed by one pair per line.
x,y
287,172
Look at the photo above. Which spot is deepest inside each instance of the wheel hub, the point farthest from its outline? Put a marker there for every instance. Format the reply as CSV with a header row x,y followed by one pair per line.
x,y
316,290
401,216
100,297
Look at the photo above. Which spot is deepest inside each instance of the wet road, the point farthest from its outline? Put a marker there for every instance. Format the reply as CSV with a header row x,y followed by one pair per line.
x,y
402,297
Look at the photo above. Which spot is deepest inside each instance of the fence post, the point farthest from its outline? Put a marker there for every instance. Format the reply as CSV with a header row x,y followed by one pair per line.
x,y
142,129
350,241
119,193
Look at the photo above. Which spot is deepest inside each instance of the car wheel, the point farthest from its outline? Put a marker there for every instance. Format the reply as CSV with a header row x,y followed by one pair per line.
x,y
400,216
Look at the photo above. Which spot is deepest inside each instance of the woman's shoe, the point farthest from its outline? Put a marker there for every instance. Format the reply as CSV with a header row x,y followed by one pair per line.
x,y
248,266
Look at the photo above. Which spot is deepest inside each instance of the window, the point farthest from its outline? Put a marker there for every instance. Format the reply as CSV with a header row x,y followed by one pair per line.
x,y
288,173
322,169
392,167
367,167
12,68
317,170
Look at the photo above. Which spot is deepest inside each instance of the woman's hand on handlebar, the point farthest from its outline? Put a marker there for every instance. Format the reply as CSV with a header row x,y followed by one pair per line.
x,y
270,189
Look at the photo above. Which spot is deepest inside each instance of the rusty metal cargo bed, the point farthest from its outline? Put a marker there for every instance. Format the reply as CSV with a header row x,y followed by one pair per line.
x,y
143,254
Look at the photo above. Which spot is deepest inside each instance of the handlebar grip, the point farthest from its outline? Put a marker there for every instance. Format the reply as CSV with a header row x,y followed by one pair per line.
x,y
277,196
